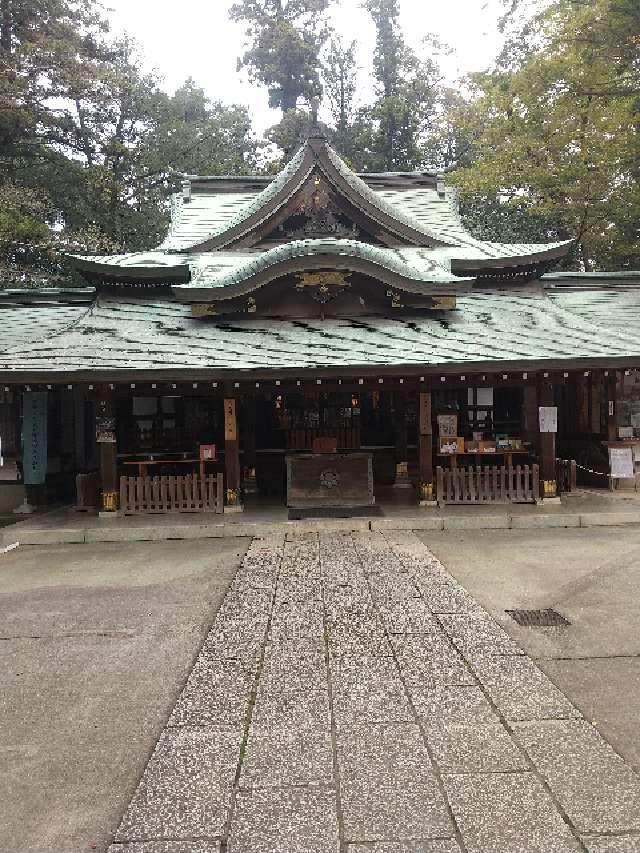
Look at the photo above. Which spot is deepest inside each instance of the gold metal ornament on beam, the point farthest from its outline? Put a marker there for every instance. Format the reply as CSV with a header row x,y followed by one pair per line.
x,y
323,286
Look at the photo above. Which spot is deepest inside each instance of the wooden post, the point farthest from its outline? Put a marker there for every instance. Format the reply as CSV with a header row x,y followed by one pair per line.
x,y
400,436
425,450
611,405
232,455
547,443
248,411
108,451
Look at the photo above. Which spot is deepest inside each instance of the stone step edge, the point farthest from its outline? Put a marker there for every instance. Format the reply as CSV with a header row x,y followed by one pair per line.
x,y
63,536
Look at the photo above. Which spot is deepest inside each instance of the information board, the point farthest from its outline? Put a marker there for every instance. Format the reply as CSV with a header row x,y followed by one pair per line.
x,y
621,462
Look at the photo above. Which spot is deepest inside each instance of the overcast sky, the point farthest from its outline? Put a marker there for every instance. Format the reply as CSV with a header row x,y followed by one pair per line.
x,y
195,38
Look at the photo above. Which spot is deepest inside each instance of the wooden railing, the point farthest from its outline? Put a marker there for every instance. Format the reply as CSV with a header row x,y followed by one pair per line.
x,y
189,493
87,487
488,484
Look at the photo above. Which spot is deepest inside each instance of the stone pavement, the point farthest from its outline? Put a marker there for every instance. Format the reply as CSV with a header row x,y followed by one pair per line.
x,y
352,696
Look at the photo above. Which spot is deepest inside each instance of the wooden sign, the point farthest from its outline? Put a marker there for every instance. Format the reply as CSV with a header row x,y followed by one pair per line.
x,y
207,452
230,422
425,414
34,433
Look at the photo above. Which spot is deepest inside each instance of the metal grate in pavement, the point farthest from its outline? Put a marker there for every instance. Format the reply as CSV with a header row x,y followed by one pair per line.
x,y
548,618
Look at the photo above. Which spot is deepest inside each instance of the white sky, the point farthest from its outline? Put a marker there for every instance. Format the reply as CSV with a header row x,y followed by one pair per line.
x,y
194,38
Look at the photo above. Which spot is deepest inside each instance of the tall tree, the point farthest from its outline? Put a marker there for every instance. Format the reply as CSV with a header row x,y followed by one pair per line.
x,y
89,144
286,37
554,128
339,77
390,133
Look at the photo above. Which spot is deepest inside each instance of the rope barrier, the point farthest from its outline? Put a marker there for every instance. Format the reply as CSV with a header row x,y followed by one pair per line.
x,y
584,468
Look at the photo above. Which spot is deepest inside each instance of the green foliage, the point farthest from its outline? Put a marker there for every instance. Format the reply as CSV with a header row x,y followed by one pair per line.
x,y
390,134
553,130
339,77
286,37
89,144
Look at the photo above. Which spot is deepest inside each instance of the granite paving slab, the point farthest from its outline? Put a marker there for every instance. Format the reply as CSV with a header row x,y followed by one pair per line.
x,y
520,690
598,791
507,813
296,707
284,820
444,705
384,810
440,846
358,639
410,617
186,788
430,660
609,844
382,751
368,689
289,753
478,634
217,692
442,595
469,748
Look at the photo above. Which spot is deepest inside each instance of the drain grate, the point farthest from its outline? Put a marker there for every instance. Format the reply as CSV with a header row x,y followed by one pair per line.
x,y
538,618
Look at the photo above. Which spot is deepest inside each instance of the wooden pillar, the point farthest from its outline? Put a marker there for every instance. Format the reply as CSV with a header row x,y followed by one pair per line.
x,y
547,443
80,439
611,405
400,439
232,455
426,491
249,444
108,453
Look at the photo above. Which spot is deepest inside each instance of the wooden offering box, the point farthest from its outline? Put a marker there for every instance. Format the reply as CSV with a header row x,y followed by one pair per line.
x,y
329,480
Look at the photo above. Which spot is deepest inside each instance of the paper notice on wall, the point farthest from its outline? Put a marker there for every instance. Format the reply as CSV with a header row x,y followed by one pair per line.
x,y
548,418
485,396
448,425
621,462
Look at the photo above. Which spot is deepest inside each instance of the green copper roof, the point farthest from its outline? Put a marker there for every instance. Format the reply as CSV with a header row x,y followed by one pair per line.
x,y
408,266
125,336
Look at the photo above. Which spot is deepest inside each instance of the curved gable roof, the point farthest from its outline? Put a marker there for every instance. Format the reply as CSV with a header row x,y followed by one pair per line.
x,y
315,154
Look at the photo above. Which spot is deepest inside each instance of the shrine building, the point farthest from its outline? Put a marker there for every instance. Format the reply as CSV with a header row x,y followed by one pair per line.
x,y
319,339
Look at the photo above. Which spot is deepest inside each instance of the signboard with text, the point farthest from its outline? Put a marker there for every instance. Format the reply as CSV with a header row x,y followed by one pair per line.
x,y
34,437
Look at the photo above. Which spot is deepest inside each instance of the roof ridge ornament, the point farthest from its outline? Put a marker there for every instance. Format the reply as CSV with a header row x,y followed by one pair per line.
x,y
315,128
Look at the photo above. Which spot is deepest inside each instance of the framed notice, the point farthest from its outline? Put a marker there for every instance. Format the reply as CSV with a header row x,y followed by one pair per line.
x,y
548,418
621,462
448,426
207,452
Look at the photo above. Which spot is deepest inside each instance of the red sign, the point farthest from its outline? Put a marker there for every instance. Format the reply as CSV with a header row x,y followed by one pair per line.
x,y
207,452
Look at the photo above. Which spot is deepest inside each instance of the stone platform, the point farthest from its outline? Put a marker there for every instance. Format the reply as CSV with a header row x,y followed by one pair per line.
x,y
261,518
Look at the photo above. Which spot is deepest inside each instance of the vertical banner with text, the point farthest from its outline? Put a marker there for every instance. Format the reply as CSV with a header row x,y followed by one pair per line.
x,y
34,437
